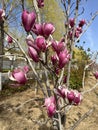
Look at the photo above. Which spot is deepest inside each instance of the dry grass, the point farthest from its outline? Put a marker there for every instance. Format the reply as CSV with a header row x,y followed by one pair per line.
x,y
24,118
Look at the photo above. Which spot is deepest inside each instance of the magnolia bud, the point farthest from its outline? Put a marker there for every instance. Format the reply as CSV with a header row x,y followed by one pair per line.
x,y
40,3
51,109
62,91
64,57
48,29
28,20
58,46
26,69
49,100
9,39
41,43
82,22
70,96
54,59
96,74
18,75
77,98
2,14
72,22
37,29
33,54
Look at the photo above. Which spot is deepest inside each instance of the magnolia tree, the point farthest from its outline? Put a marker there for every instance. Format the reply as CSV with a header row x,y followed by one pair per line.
x,y
54,57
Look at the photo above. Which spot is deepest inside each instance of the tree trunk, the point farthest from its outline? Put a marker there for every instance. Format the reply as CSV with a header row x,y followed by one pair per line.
x,y
1,44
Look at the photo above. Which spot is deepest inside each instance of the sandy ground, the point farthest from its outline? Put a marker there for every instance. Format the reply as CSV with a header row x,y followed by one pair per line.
x,y
25,117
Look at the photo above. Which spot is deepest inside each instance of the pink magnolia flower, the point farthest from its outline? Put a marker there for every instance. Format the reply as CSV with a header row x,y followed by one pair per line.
x,y
28,20
64,57
31,42
49,100
57,70
38,29
58,46
54,59
96,74
71,22
51,109
26,69
44,29
50,104
2,14
74,97
41,43
9,39
18,75
77,34
48,29
40,3
82,22
77,99
79,29
62,91
70,34
70,96
33,53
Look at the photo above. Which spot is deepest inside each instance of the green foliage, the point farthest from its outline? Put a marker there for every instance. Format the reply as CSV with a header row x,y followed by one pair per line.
x,y
81,58
53,13
76,76
80,54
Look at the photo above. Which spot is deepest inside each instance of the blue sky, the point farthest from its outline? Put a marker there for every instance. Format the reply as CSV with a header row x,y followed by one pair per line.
x,y
91,35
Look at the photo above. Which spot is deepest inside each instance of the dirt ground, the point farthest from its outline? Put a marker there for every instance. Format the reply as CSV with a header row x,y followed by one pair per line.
x,y
14,115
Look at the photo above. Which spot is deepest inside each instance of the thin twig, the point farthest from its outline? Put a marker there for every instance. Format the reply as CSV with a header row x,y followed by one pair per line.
x,y
72,42
37,11
82,118
89,90
29,61
61,76
89,23
40,123
85,68
59,118
22,2
24,103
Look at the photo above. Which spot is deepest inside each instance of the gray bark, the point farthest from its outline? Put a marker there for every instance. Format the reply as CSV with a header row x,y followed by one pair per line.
x,y
1,44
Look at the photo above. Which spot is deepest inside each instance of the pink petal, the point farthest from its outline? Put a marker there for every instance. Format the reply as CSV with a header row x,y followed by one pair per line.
x,y
20,77
33,54
28,20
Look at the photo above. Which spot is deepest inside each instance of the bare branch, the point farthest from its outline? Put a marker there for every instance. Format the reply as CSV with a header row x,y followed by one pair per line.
x,y
24,103
82,118
89,23
61,76
37,11
85,68
89,90
40,123
29,61
81,11
22,1
72,43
